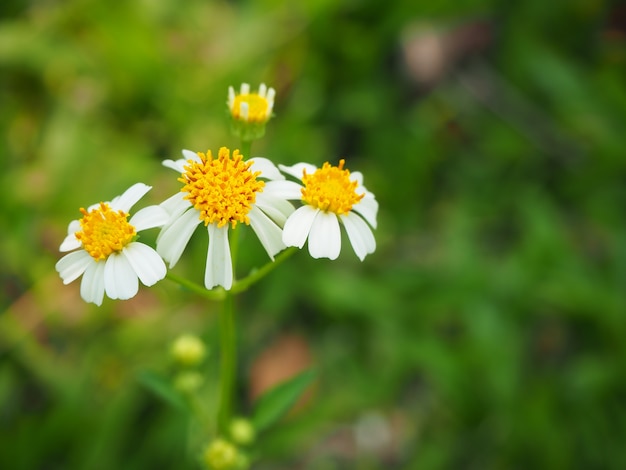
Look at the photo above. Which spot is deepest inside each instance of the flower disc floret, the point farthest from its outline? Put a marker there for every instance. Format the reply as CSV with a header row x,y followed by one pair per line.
x,y
104,231
330,189
222,189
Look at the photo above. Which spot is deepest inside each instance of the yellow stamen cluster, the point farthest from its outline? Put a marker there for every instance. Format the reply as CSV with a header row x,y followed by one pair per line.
x,y
257,105
222,189
330,189
104,231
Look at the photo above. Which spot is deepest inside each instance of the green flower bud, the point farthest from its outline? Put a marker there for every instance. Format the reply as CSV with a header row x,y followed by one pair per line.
x,y
242,432
222,455
188,350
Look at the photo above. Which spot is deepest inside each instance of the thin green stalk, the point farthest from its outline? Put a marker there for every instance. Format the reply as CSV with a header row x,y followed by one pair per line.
x,y
215,294
258,274
246,148
228,363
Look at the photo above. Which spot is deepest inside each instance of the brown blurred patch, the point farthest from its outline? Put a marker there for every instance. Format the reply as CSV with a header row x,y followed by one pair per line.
x,y
285,357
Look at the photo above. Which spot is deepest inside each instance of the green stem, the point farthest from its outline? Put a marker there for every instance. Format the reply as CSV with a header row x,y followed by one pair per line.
x,y
246,148
258,274
228,363
215,294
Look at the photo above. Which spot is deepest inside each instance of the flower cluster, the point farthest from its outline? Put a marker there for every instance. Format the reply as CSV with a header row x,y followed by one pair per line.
x,y
220,192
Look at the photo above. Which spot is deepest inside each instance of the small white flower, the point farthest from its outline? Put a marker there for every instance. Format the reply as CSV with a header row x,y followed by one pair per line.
x,y
251,107
108,257
330,195
221,192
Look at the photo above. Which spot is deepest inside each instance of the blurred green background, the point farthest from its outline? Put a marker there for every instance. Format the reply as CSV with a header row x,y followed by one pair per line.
x,y
486,332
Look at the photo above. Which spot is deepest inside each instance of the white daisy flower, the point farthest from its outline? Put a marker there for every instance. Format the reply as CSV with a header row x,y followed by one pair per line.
x,y
221,192
251,107
108,257
329,195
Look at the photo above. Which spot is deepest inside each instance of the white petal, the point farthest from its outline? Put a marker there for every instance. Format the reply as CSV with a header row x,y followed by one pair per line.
x,y
191,155
277,209
176,205
245,89
368,208
219,264
71,266
271,93
243,110
149,217
174,237
70,243
298,226
298,169
146,263
325,236
231,97
360,235
266,167
120,280
358,177
283,189
130,197
268,232
176,165
262,90
92,284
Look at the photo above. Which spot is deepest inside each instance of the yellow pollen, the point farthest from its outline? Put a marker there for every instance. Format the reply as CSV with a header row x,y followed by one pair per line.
x,y
257,107
223,189
104,231
330,189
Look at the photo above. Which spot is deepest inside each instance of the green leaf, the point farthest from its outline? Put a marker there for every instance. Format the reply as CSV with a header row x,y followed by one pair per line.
x,y
161,387
274,403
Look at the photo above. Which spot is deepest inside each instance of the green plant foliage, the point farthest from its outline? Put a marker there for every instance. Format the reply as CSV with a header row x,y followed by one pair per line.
x,y
486,331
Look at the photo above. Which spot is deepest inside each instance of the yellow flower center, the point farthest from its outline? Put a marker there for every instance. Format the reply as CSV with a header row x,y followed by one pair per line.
x,y
257,107
104,231
221,189
330,189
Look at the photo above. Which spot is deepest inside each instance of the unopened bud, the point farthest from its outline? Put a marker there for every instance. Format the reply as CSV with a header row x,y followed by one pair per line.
x,y
242,431
188,350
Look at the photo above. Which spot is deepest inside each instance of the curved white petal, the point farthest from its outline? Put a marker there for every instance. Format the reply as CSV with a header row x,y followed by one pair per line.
x,y
149,217
71,242
360,235
325,236
130,197
176,205
71,266
276,208
368,208
231,97
219,264
283,189
357,176
176,165
268,232
298,226
266,167
146,263
174,237
298,169
73,227
92,284
191,155
120,280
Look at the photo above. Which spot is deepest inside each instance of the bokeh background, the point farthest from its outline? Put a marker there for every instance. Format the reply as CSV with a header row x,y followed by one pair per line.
x,y
486,332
